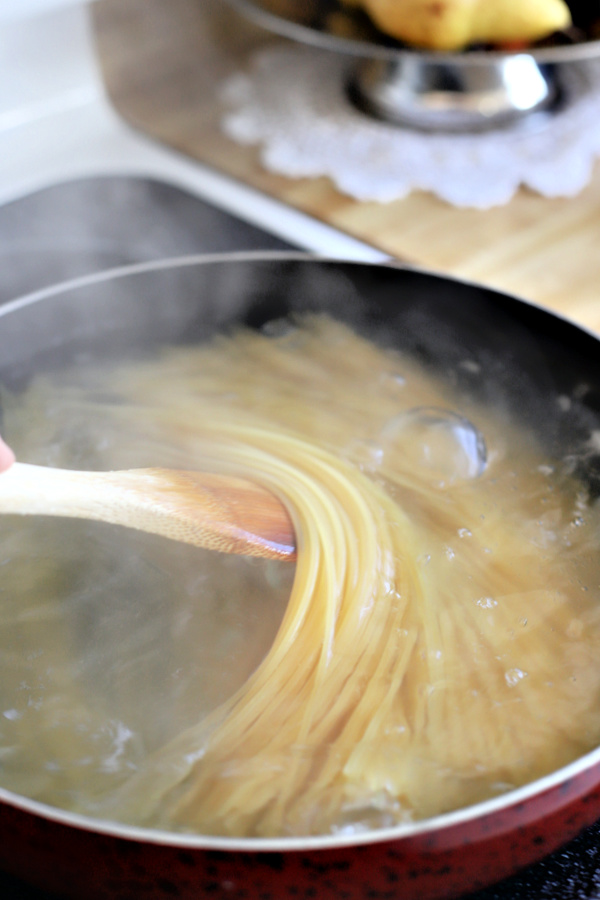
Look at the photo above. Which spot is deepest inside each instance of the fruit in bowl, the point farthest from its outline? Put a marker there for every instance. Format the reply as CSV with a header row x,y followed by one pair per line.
x,y
456,24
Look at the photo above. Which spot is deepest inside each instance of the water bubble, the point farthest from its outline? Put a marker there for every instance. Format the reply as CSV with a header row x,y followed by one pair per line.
x,y
360,815
366,454
286,332
502,787
514,676
593,442
486,602
119,735
393,380
277,328
546,470
440,443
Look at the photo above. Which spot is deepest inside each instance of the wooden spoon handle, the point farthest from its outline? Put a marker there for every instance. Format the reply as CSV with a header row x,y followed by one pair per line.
x,y
218,512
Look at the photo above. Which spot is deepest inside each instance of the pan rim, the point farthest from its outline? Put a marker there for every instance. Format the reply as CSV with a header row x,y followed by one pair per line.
x,y
445,822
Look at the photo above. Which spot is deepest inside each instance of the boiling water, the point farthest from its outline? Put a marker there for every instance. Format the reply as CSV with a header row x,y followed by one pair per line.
x,y
120,651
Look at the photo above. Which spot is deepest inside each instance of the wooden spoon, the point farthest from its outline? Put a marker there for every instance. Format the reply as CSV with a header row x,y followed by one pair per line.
x,y
218,512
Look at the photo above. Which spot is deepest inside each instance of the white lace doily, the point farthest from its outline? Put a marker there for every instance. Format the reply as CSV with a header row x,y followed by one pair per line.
x,y
292,102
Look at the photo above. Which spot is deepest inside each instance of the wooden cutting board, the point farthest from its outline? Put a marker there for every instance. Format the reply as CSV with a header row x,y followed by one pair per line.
x,y
163,63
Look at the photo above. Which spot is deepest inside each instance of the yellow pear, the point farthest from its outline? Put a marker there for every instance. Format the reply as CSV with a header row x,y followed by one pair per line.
x,y
454,24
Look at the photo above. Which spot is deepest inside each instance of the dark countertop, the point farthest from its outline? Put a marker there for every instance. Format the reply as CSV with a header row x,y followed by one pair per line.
x,y
89,225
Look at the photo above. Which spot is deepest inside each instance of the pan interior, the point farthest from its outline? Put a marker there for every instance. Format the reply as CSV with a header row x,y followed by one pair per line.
x,y
98,685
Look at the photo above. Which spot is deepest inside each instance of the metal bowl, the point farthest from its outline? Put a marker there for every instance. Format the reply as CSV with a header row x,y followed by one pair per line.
x,y
433,91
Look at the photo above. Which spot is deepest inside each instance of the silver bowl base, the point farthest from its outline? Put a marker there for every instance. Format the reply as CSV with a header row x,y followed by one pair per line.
x,y
427,95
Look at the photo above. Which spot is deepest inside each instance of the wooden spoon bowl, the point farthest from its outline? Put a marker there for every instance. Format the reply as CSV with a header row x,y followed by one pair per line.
x,y
217,512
